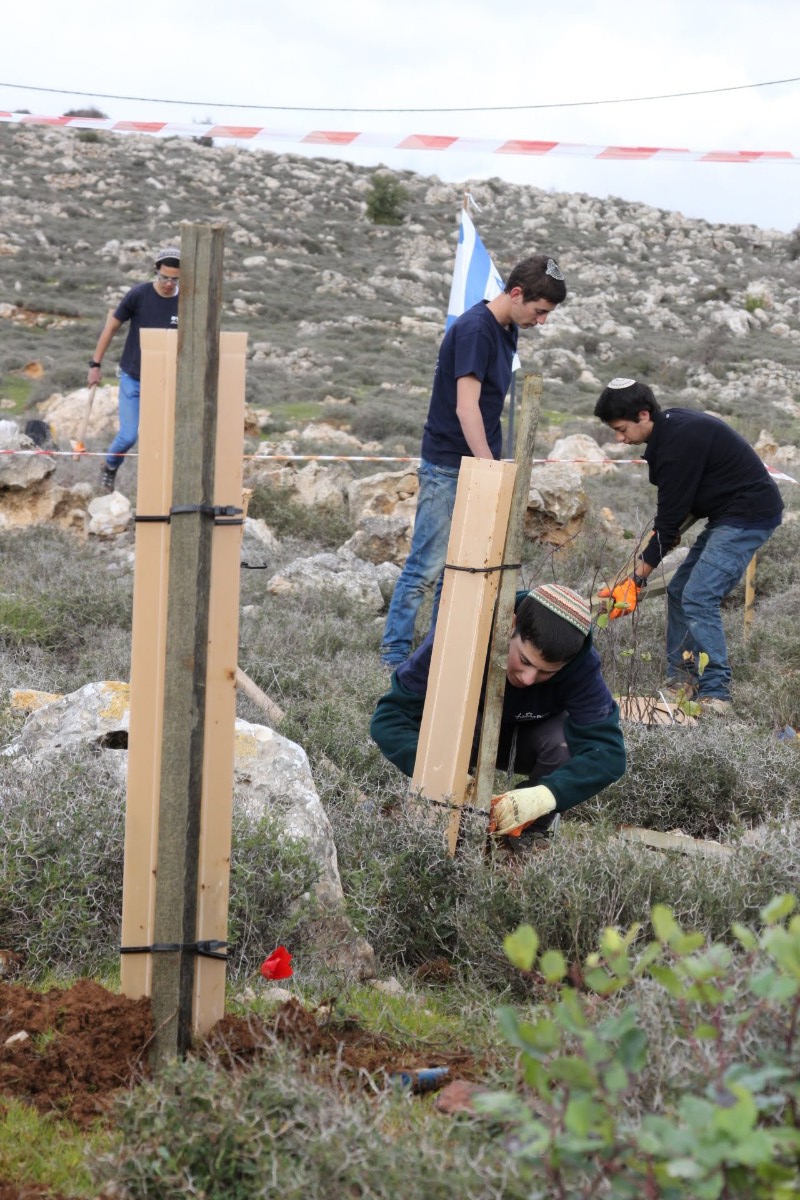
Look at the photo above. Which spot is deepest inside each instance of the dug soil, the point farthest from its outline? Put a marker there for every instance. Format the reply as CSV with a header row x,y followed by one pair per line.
x,y
84,1044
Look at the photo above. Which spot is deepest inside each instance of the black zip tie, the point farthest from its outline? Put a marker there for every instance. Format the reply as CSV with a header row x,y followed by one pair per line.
x,y
223,514
206,949
462,808
255,566
484,570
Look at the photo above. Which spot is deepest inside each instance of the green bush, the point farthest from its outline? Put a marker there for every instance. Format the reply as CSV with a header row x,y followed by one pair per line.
x,y
61,861
275,1130
385,200
328,527
701,780
726,1127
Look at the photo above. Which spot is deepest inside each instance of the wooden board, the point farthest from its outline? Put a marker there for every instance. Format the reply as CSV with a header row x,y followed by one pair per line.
x,y
477,540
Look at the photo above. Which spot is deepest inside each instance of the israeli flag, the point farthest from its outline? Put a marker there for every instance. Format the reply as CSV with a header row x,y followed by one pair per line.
x,y
475,276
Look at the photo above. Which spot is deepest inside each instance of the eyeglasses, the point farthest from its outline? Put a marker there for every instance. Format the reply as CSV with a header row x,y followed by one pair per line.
x,y
167,278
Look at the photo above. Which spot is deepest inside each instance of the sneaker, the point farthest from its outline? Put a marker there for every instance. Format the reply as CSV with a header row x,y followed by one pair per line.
x,y
107,478
715,704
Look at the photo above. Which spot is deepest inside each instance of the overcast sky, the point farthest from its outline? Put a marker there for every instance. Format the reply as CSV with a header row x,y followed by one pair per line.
x,y
436,54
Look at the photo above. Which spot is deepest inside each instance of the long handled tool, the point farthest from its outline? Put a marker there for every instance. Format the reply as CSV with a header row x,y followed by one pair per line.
x,y
79,446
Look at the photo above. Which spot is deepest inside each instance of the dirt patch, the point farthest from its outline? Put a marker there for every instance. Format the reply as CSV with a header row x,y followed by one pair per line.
x,y
342,1049
84,1044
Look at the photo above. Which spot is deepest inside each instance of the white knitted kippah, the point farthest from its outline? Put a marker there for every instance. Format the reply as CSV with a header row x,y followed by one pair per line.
x,y
565,603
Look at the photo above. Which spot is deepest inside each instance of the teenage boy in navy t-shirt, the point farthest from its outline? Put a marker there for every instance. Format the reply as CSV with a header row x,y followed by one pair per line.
x,y
472,377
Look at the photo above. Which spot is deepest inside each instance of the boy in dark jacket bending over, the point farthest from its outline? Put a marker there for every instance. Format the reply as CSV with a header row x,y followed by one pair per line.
x,y
559,726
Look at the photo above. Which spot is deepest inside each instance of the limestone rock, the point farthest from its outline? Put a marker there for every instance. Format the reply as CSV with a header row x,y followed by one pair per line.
x,y
109,515
351,579
20,470
556,504
271,774
584,453
67,413
383,507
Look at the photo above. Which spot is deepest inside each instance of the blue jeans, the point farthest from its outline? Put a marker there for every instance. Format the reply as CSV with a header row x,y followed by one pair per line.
x,y
711,569
128,421
423,567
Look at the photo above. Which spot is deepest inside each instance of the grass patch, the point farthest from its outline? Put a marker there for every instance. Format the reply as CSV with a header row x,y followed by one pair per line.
x,y
49,1153
17,389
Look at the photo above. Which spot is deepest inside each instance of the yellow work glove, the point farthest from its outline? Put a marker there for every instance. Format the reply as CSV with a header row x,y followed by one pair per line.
x,y
624,597
513,811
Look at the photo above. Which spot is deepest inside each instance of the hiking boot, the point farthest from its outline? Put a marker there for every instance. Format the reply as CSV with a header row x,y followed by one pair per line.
x,y
107,478
676,691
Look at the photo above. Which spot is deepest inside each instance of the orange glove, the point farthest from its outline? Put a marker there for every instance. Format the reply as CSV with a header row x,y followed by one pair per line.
x,y
624,597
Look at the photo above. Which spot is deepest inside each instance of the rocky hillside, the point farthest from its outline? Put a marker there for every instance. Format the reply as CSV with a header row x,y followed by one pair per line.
x,y
340,308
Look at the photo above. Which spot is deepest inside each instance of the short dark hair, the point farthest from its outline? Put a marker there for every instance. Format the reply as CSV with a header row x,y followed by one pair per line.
x,y
623,400
556,639
168,262
535,276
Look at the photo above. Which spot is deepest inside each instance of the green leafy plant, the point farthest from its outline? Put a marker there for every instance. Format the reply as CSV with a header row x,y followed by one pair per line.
x,y
385,200
727,1128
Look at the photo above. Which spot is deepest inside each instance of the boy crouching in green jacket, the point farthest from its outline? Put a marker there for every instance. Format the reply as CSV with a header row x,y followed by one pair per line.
x,y
559,725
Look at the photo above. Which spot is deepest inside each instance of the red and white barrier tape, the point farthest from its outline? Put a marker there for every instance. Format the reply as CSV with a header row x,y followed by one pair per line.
x,y
595,462
410,141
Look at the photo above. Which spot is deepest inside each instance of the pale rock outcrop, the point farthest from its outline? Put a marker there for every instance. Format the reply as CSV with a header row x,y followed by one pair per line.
x,y
20,465
584,453
382,508
29,494
358,583
315,484
557,503
768,449
67,413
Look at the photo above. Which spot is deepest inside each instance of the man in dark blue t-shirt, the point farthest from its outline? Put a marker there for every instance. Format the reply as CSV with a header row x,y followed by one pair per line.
x,y
472,377
152,305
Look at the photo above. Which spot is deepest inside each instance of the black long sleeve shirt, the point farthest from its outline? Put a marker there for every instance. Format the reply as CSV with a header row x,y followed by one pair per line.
x,y
703,468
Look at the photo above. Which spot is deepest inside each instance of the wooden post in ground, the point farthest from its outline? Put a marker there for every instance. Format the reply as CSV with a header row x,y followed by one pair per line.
x,y
749,596
477,539
216,804
182,746
504,609
154,496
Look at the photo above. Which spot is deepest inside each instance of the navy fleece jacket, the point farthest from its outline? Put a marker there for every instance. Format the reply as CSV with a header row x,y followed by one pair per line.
x,y
591,727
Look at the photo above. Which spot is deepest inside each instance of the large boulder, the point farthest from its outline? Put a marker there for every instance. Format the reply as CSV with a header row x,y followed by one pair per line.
x,y
382,508
271,775
557,504
67,413
584,453
21,465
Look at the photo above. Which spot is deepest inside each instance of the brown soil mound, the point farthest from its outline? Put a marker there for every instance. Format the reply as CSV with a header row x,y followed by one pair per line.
x,y
85,1043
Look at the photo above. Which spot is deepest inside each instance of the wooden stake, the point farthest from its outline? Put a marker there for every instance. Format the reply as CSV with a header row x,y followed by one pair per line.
x,y
477,538
749,596
253,692
182,752
504,609
216,805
